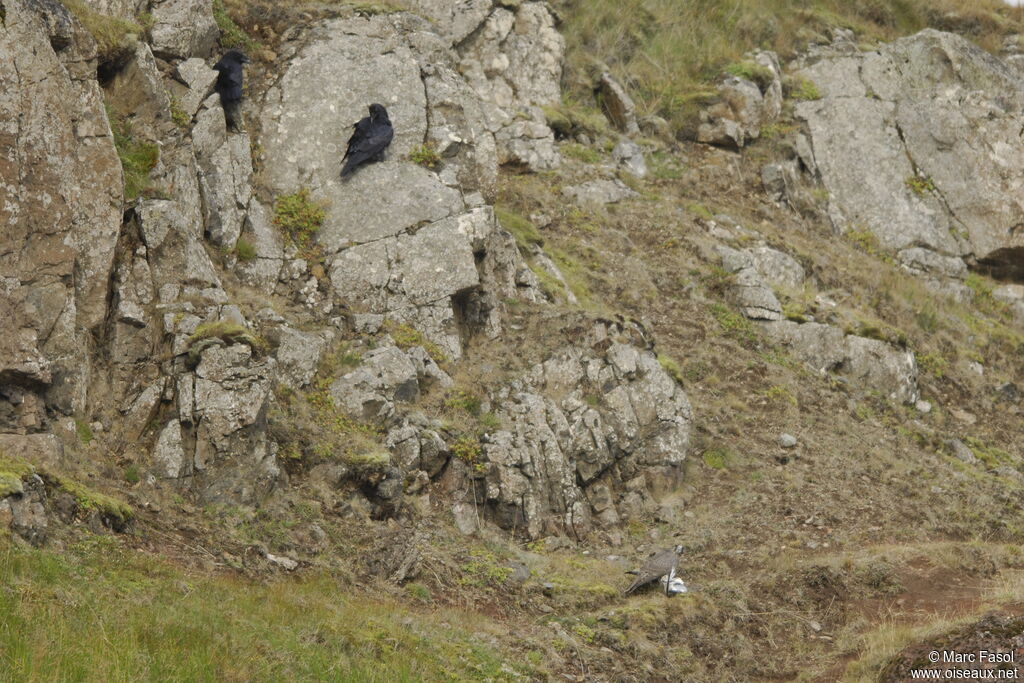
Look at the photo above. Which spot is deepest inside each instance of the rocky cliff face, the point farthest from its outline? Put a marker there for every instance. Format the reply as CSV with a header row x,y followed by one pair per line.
x,y
134,319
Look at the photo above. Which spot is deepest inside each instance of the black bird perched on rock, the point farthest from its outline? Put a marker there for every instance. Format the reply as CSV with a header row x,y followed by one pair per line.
x,y
657,565
370,138
229,86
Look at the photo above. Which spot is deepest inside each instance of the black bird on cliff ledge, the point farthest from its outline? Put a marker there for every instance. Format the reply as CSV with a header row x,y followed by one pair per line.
x,y
371,137
229,86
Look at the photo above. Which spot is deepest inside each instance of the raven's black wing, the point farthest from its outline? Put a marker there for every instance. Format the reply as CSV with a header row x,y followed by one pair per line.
x,y
366,142
229,80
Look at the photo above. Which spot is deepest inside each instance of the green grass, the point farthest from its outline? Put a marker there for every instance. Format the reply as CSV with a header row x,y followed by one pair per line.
x,y
752,71
116,511
920,186
101,612
803,89
521,227
138,157
670,52
734,325
426,156
245,250
299,216
231,34
115,38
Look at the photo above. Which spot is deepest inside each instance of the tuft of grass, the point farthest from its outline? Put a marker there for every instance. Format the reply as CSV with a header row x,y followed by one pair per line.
x,y
406,337
803,89
521,228
426,156
84,431
734,325
115,38
178,115
717,458
460,399
753,72
245,250
299,216
669,365
138,157
10,483
468,450
231,34
228,332
583,153
132,475
933,364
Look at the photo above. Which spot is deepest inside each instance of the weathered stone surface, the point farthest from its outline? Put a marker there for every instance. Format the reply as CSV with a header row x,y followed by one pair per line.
x,y
26,511
60,203
384,377
630,156
919,143
298,354
183,28
226,407
617,104
753,269
200,79
169,459
538,469
867,363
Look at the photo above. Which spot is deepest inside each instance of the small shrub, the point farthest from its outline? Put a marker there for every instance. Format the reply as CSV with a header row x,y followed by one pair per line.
x,y
299,216
490,421
245,250
468,450
588,155
419,592
734,325
484,570
406,337
780,394
933,364
425,155
460,399
178,115
131,475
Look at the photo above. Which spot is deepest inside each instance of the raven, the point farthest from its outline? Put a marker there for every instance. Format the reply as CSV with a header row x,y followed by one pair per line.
x,y
371,137
229,86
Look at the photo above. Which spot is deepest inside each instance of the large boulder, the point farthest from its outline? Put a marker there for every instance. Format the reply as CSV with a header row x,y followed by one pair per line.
x,y
919,143
61,189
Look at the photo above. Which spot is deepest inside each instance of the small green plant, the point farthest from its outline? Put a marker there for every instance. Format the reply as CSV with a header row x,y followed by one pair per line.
x,y
406,337
664,166
780,394
178,115
419,592
717,458
138,158
933,364
425,155
468,450
700,211
299,216
245,250
920,185
131,475
804,89
84,431
490,421
460,399
484,570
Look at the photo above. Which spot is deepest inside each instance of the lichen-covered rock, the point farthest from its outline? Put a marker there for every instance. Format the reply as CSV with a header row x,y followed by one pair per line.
x,y
385,377
183,28
580,418
868,364
599,192
617,104
919,142
223,404
60,180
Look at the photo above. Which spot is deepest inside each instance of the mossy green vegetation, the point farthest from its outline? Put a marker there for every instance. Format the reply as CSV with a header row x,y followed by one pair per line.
x,y
300,216
920,185
426,156
58,615
231,34
115,37
116,511
521,227
138,157
245,250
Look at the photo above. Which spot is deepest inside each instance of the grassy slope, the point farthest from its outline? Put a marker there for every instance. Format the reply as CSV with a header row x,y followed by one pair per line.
x,y
851,532
668,51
